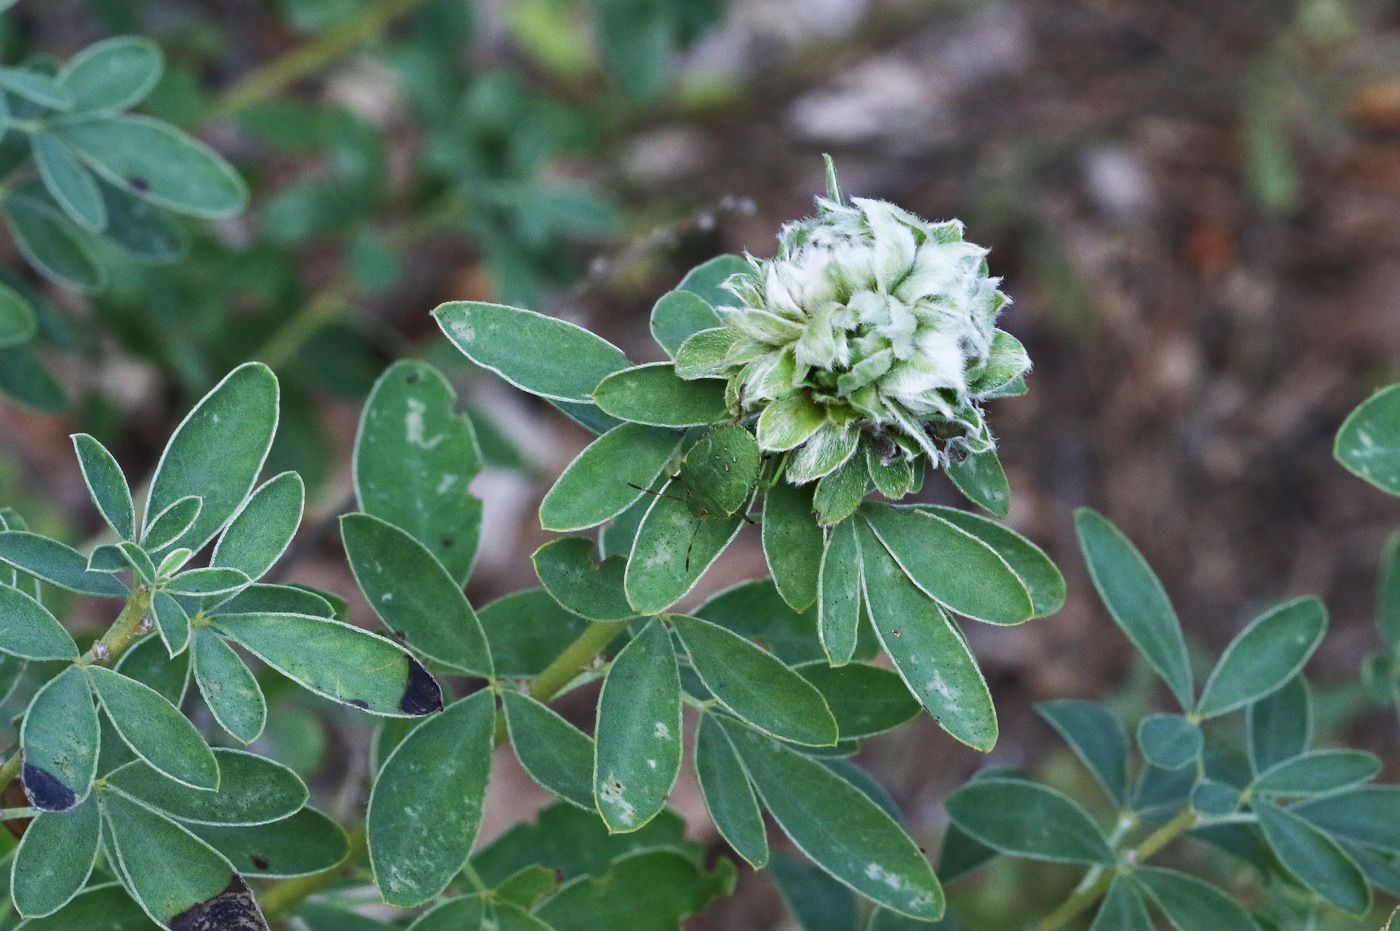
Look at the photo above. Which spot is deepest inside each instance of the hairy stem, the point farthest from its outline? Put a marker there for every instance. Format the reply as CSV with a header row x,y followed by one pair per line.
x,y
270,79
1151,845
576,658
125,630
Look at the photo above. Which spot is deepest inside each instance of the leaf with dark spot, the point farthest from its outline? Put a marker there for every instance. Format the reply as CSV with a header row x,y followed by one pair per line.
x,y
59,740
422,695
234,909
46,792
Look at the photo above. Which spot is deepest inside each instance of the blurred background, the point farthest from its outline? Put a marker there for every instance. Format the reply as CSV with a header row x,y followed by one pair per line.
x,y
1195,205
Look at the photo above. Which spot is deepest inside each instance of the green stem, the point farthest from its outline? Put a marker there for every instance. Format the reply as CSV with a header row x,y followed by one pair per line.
x,y
128,626
1154,842
10,769
576,658
269,80
283,898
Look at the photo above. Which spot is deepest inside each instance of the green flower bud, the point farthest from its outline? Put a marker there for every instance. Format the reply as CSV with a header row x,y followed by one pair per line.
x,y
870,326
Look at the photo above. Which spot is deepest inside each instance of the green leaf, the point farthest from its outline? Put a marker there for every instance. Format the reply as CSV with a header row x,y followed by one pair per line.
x,y
59,740
177,878
155,729
338,660
823,452
425,809
927,650
28,630
71,185
635,40
158,163
37,87
1136,599
1122,909
209,581
99,906
1264,656
172,622
982,481
1279,725
607,477
113,74
838,827
308,842
17,321
655,395
952,566
556,754
1365,815
1035,570
865,700
145,232
793,543
55,563
587,588
841,588
252,790
1097,737
171,523
276,599
1215,798
815,899
707,279
1169,740
755,685
1027,819
217,451
893,479
229,687
789,422
1317,771
463,914
677,316
527,630
1313,858
729,798
1368,443
651,890
638,732
704,354
672,551
106,484
149,663
55,858
413,594
1188,903
263,527
415,457
57,249
839,493
542,355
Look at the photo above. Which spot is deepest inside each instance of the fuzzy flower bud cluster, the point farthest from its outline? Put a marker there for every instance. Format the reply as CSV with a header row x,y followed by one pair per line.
x,y
870,328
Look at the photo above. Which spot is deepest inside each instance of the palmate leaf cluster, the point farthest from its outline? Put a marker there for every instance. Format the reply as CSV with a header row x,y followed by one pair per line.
x,y
90,187
1309,822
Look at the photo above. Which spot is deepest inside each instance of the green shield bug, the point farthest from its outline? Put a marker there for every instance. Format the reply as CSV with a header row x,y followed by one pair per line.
x,y
717,475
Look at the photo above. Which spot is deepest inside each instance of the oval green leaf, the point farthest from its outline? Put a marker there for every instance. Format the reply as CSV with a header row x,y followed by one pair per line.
x,y
229,687
413,594
425,808
28,630
217,451
338,660
55,859
59,742
414,460
638,743
263,527
1027,819
1264,656
155,729
729,798
252,790
1314,859
542,355
1368,443
838,827
1136,600
655,395
113,74
556,754
793,543
608,476
672,550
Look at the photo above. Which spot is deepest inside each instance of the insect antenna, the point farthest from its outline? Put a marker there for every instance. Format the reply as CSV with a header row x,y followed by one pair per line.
x,y
656,493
